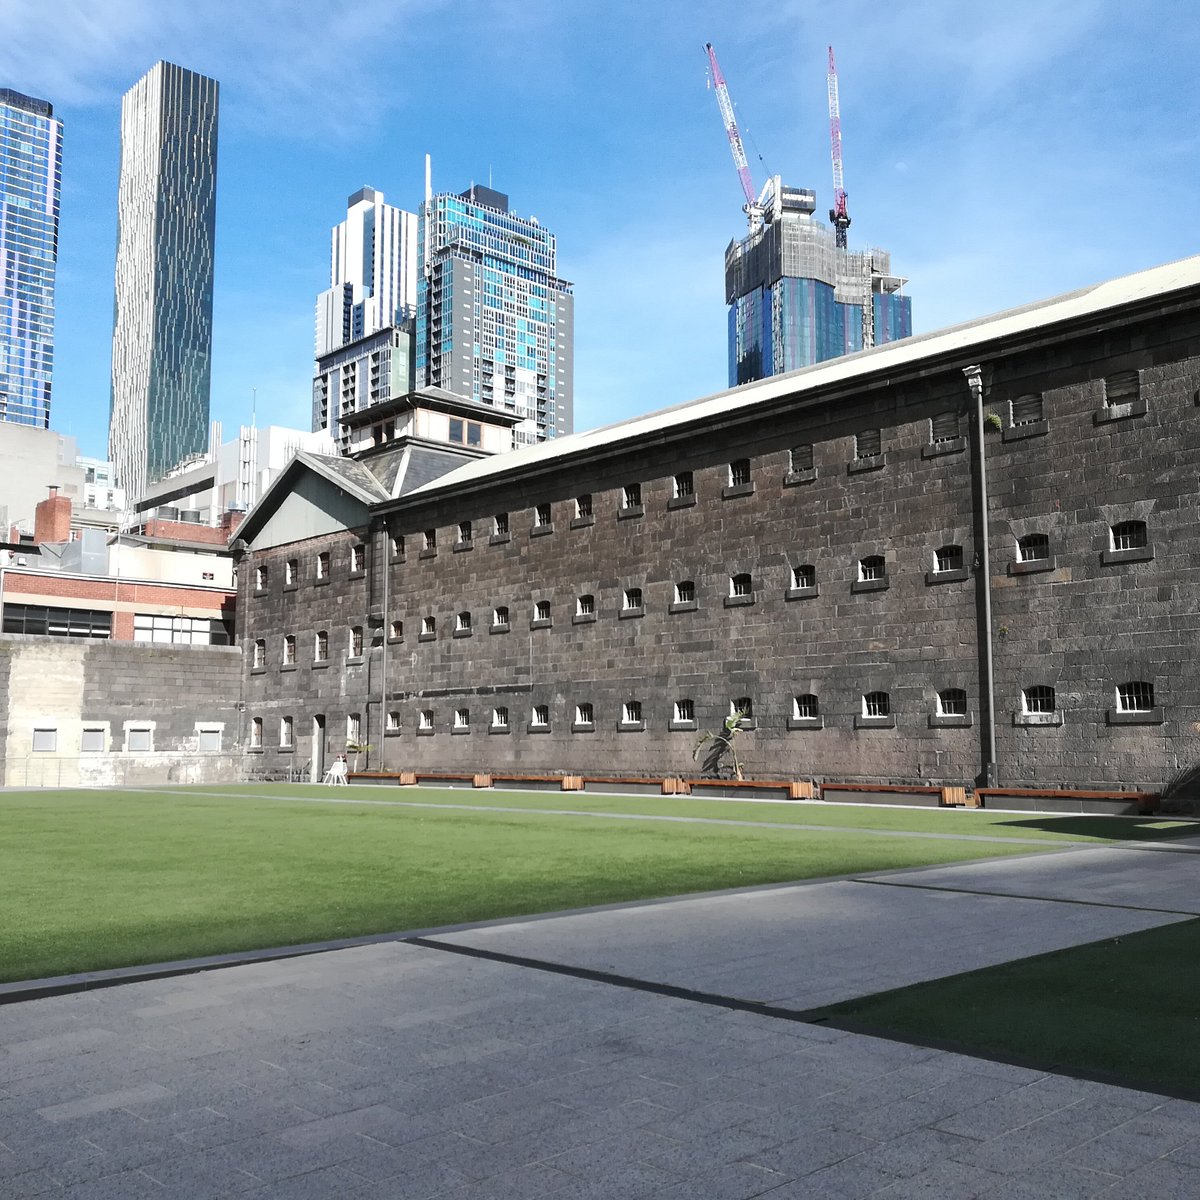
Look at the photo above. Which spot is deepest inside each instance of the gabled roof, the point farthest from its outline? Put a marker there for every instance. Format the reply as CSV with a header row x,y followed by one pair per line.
x,y
966,341
351,477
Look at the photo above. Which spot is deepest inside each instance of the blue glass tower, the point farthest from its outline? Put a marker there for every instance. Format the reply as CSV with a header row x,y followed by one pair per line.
x,y
494,322
30,182
796,299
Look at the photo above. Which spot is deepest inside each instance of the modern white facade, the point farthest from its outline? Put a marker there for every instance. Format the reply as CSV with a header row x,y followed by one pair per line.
x,y
232,475
372,272
364,325
162,317
100,490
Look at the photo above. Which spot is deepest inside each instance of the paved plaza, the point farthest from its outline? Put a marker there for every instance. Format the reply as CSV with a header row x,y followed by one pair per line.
x,y
444,1069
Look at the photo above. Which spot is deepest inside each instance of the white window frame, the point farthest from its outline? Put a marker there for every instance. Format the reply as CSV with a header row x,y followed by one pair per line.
x,y
48,733
209,727
102,728
129,727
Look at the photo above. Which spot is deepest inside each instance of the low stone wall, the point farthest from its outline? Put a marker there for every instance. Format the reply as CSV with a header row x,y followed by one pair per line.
x,y
77,712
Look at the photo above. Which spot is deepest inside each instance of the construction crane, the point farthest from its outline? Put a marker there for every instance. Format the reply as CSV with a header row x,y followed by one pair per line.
x,y
838,215
751,208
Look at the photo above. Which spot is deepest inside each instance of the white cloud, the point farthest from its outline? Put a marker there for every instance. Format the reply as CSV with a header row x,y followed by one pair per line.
x,y
285,58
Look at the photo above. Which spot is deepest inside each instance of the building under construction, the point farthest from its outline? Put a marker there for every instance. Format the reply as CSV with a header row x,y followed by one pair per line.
x,y
796,298
797,294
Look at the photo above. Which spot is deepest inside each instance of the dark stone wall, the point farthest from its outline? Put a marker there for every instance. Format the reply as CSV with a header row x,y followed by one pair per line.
x,y
1089,625
308,690
1083,627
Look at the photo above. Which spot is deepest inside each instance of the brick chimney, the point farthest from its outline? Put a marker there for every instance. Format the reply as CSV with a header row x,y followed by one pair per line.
x,y
231,518
52,518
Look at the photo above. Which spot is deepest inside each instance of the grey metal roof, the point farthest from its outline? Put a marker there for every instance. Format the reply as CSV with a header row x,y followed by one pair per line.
x,y
426,464
352,477
346,473
971,339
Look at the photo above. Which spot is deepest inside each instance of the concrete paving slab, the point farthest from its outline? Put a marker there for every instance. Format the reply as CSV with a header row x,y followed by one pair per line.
x,y
657,1097
1161,878
816,944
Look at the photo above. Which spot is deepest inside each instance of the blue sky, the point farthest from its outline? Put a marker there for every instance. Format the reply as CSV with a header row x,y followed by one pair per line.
x,y
1002,153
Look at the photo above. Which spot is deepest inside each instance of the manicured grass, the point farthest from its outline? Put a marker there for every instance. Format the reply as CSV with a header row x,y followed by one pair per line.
x,y
961,822
99,879
1125,1006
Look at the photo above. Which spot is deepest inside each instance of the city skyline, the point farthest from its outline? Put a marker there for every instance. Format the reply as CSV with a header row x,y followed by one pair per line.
x,y
990,157
162,308
30,185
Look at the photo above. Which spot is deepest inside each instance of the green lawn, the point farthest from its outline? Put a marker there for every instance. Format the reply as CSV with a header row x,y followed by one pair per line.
x,y
971,822
1125,1006
99,879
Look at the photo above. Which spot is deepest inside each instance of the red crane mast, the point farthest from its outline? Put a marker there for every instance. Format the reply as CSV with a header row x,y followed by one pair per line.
x,y
735,138
837,214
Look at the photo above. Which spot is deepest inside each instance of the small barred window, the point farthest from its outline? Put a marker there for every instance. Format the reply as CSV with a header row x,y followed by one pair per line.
x,y
1025,410
800,458
872,567
1129,535
1033,547
868,443
948,558
1137,696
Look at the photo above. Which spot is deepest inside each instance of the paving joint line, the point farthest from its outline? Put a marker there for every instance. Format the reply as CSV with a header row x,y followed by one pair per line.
x,y
812,1016
965,891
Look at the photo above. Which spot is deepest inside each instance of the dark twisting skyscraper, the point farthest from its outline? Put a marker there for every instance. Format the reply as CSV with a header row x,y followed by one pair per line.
x,y
162,316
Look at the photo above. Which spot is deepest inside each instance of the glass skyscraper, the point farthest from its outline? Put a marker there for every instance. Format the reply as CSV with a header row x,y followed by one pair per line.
x,y
162,316
30,182
494,322
796,299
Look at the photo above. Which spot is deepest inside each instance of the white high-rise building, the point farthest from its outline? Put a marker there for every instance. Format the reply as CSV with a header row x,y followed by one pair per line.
x,y
372,272
162,318
365,318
